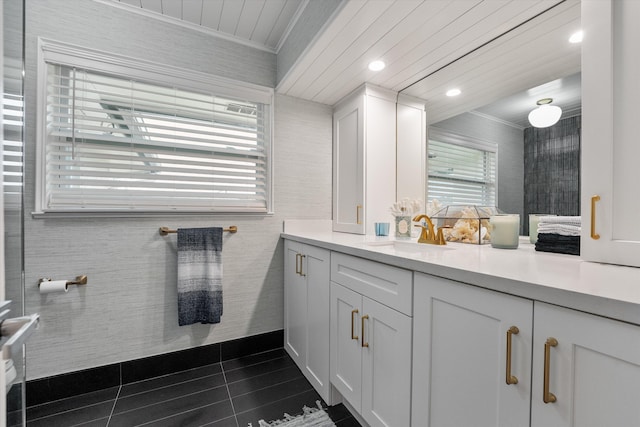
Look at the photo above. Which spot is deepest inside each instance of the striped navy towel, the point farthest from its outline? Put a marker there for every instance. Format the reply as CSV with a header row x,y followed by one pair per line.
x,y
199,275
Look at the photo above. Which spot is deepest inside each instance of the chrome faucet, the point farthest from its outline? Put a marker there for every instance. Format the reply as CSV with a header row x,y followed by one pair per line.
x,y
428,234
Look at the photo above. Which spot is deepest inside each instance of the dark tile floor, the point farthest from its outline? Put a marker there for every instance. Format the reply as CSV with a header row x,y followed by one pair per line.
x,y
233,393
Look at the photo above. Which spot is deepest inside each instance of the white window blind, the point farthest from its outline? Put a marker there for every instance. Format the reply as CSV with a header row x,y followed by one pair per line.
x,y
461,175
12,124
114,143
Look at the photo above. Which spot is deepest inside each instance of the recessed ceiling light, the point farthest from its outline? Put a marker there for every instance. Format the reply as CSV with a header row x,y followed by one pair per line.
x,y
576,37
376,65
453,92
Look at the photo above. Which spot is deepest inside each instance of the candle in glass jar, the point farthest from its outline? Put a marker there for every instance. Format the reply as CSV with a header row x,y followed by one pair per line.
x,y
505,231
534,220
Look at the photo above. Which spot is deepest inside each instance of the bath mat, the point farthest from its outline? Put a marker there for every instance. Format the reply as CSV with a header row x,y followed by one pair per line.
x,y
311,417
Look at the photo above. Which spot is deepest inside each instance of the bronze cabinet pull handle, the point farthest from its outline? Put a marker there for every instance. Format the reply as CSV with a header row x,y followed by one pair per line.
x,y
594,235
302,257
511,379
547,396
364,344
353,335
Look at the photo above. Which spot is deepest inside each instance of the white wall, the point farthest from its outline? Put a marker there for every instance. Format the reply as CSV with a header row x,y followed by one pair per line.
x,y
128,309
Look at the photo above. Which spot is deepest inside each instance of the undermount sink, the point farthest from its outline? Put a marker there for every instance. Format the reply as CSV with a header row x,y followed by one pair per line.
x,y
408,246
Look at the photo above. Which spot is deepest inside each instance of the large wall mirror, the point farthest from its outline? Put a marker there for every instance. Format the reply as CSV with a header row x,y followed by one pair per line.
x,y
500,83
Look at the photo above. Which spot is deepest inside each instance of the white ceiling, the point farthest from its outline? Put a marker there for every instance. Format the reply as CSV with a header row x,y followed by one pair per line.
x,y
415,38
533,54
566,93
489,48
259,23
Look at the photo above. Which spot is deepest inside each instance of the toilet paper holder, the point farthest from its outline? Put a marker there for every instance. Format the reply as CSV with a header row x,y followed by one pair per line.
x,y
80,280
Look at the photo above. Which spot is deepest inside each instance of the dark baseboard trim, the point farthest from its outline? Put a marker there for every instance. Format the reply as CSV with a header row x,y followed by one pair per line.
x,y
61,386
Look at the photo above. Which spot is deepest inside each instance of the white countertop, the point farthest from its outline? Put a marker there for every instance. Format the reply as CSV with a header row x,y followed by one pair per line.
x,y
565,280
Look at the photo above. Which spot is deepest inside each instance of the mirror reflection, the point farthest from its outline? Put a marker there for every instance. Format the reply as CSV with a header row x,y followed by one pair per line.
x,y
483,149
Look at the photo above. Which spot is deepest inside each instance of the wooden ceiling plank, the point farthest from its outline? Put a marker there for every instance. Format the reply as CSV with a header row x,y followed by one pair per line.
x,y
485,22
251,12
474,36
152,5
135,3
358,55
344,38
348,11
192,11
280,26
267,20
172,8
526,42
211,13
405,50
231,10
384,49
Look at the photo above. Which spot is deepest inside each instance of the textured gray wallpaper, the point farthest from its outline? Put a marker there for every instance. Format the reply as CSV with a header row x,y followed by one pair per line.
x,y
552,168
129,308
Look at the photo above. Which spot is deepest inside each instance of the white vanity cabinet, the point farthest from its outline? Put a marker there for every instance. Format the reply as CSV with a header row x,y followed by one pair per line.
x,y
306,312
594,370
463,361
609,146
371,338
464,346
364,159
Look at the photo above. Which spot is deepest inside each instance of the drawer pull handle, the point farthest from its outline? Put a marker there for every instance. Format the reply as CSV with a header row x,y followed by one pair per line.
x,y
298,263
547,396
364,344
353,335
302,257
594,235
511,379
358,207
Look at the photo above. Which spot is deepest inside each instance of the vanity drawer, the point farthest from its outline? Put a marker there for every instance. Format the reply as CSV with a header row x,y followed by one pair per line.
x,y
391,286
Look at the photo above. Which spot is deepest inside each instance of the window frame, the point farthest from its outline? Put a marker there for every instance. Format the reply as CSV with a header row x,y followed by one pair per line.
x,y
54,52
449,137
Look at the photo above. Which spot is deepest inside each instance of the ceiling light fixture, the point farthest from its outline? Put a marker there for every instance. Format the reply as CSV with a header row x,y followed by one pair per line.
x,y
454,92
576,37
376,65
545,115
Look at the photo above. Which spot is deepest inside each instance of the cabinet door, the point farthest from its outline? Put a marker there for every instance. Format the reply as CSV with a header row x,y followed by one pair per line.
x,y
460,356
610,91
386,366
316,368
295,303
348,167
346,333
594,370
411,146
